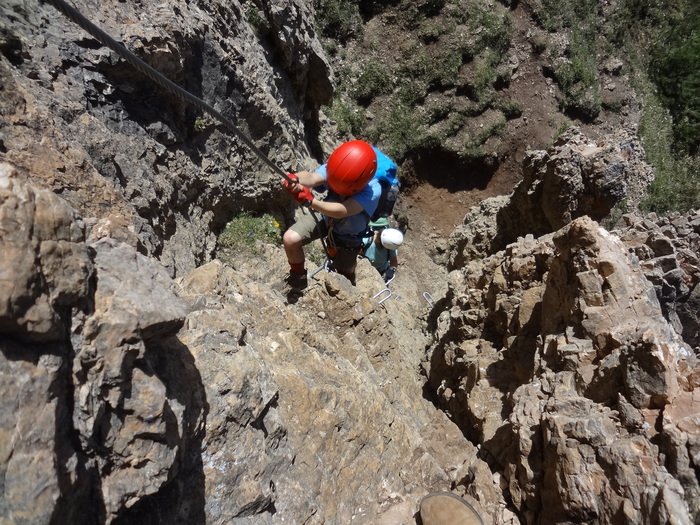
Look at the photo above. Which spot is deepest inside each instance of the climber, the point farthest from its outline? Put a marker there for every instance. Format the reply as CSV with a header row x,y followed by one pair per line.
x,y
381,248
445,508
352,198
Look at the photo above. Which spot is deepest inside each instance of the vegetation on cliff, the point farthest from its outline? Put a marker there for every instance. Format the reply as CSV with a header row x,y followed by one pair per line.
x,y
434,75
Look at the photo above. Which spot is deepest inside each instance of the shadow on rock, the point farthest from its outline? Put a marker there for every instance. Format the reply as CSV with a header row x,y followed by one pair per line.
x,y
182,499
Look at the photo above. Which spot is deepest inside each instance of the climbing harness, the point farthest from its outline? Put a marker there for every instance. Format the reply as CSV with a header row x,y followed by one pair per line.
x,y
74,15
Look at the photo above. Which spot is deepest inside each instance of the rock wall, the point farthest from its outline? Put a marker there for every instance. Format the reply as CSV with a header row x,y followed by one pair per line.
x,y
554,356
137,163
668,249
576,177
90,422
570,356
129,397
562,352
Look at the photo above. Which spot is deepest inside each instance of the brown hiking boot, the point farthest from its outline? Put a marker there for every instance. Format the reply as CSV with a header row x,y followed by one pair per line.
x,y
445,508
296,281
294,285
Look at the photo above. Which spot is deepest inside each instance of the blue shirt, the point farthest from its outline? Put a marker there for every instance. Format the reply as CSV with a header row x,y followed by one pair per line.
x,y
352,228
379,256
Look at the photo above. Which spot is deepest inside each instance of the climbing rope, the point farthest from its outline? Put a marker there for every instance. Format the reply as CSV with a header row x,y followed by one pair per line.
x,y
77,17
106,40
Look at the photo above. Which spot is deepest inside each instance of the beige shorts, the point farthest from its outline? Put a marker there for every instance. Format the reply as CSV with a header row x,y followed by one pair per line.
x,y
312,226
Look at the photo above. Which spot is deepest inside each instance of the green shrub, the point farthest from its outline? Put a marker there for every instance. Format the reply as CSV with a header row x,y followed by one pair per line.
x,y
413,14
437,67
257,21
677,189
201,123
472,148
538,43
485,76
578,77
676,186
409,92
245,231
430,31
444,69
562,127
497,31
510,108
349,118
401,131
557,15
675,69
338,19
374,80
483,28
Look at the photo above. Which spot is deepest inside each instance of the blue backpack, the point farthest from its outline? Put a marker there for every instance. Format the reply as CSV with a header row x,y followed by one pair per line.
x,y
386,176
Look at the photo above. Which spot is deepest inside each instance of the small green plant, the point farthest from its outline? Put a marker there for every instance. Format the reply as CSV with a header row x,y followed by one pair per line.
x,y
245,231
578,77
675,190
338,19
411,17
314,252
473,143
616,214
349,118
373,81
437,70
576,72
493,128
510,108
409,92
557,15
538,43
676,186
498,30
562,127
257,21
472,151
200,124
402,130
484,77
429,31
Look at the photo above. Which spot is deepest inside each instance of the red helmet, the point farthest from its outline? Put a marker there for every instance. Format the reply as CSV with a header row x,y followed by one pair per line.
x,y
350,167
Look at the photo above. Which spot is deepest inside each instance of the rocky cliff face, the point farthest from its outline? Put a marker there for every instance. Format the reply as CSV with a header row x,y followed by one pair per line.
x,y
135,160
550,377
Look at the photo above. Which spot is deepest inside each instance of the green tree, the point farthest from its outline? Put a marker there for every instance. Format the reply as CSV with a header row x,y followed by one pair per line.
x,y
675,68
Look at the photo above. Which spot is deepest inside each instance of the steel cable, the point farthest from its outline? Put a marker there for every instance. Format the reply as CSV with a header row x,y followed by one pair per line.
x,y
106,40
77,17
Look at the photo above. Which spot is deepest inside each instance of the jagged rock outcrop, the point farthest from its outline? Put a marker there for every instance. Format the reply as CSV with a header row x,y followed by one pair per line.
x,y
574,178
562,352
130,398
311,403
554,356
91,424
668,249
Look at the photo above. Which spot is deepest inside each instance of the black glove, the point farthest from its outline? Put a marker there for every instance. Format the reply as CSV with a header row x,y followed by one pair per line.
x,y
389,274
